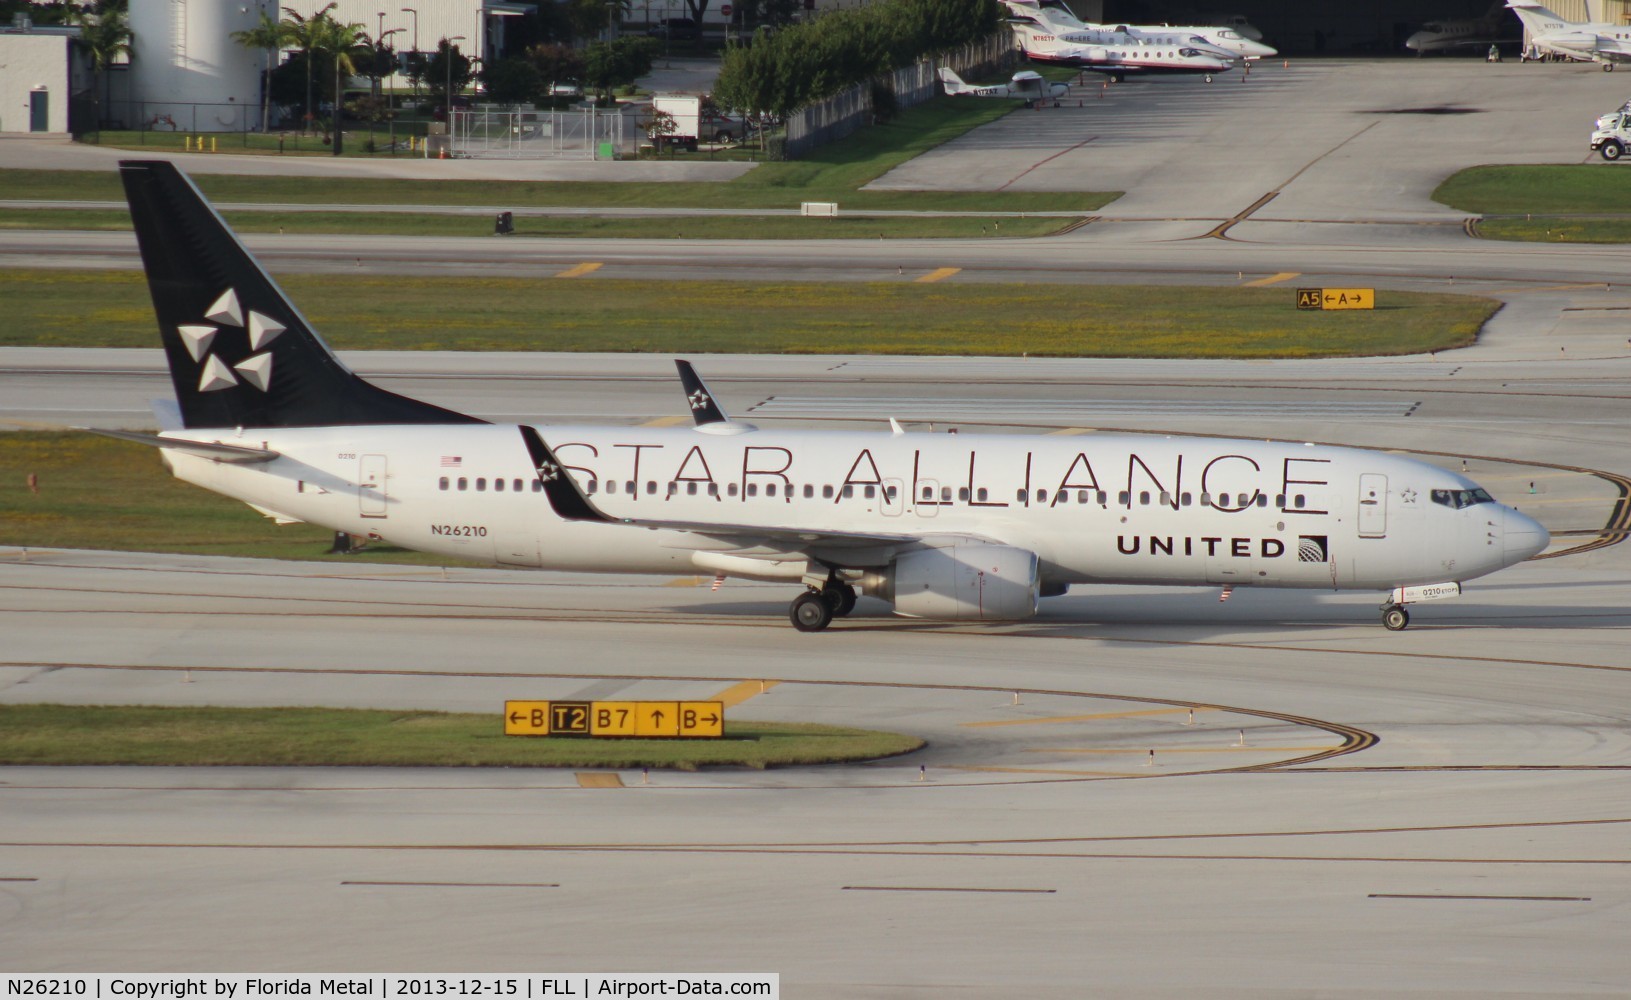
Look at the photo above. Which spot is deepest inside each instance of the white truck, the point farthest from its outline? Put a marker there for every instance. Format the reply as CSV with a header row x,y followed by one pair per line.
x,y
686,110
692,124
1613,135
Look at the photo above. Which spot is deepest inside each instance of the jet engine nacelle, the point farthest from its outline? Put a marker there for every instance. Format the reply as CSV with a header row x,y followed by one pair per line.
x,y
973,582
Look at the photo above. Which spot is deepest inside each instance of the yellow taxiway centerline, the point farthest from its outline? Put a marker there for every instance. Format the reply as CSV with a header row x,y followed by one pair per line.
x,y
581,270
937,274
736,694
1273,279
599,779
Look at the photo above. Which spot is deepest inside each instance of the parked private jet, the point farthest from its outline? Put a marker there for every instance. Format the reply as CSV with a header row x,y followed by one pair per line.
x,y
1027,85
1599,41
941,526
1494,28
1115,53
1056,15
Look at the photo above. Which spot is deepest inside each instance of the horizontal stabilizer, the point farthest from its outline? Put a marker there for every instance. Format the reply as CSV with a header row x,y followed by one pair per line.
x,y
234,453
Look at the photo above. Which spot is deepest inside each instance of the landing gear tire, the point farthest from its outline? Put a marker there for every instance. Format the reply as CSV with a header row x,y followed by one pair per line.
x,y
1608,67
840,599
1395,619
810,612
1612,150
1209,78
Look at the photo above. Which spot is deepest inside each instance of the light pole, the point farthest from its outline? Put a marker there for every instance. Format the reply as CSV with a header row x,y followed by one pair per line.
x,y
379,58
415,13
449,92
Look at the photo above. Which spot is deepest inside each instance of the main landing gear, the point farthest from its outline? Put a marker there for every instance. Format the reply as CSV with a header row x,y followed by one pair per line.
x,y
814,609
1394,618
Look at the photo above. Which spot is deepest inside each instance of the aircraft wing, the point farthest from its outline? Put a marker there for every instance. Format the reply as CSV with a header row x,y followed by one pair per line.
x,y
853,547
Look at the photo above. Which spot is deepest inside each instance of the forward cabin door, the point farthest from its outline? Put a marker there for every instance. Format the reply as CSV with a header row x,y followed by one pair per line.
x,y
1372,505
371,485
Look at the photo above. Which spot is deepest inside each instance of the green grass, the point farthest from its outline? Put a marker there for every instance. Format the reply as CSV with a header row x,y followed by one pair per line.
x,y
1544,204
831,173
313,737
1552,229
112,309
99,493
1516,190
667,227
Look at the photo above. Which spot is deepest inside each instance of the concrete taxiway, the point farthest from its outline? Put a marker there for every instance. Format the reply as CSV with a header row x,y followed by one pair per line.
x,y
1348,813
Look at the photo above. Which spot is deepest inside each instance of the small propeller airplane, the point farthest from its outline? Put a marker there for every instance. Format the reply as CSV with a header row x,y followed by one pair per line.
x,y
1026,85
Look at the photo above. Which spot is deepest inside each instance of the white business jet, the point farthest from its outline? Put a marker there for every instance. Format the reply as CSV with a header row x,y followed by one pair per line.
x,y
1027,85
965,527
1115,53
1493,28
1599,41
1229,40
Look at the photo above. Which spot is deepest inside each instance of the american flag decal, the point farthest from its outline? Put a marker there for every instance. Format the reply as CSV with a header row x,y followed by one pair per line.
x,y
1227,593
452,461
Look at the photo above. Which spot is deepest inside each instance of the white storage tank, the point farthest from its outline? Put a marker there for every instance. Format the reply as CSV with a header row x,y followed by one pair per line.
x,y
188,72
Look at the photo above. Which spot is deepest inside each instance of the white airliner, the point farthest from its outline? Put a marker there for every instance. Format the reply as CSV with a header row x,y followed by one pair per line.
x,y
1599,41
1441,36
941,526
1056,15
1027,85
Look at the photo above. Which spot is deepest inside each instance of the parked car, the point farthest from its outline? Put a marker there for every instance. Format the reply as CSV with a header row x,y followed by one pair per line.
x,y
565,88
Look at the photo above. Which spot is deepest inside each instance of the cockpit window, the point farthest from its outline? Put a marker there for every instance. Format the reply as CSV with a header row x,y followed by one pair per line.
x,y
1458,499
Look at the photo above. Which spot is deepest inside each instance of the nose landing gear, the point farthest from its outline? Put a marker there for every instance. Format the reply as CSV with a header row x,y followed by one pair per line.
x,y
1394,618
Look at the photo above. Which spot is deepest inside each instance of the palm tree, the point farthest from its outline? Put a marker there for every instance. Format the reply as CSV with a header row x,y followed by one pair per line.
x,y
269,35
304,33
344,43
106,37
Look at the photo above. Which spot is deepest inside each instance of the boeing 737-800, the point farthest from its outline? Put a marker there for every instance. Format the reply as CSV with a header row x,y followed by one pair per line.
x,y
941,526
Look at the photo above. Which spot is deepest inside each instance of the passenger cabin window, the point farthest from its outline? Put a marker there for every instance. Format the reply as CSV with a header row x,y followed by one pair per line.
x,y
1144,498
1186,499
481,484
981,494
826,492
713,489
1124,498
1166,499
631,487
538,486
498,486
442,484
753,489
849,491
651,487
516,486
590,489
770,489
809,491
871,492
890,492
945,494
1041,496
464,483
1019,496
1299,501
691,489
731,489
1262,499
928,492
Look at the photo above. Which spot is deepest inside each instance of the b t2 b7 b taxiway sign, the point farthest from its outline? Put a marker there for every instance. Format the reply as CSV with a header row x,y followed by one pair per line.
x,y
637,719
1336,298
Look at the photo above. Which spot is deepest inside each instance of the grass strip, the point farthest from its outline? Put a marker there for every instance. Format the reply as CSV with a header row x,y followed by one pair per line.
x,y
73,308
1549,189
1557,203
323,737
1552,229
659,227
832,173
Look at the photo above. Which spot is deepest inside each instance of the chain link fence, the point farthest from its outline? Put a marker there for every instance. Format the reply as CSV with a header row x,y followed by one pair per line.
x,y
519,134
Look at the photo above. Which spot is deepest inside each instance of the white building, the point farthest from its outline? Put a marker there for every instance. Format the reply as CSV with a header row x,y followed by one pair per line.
x,y
420,25
187,70
39,71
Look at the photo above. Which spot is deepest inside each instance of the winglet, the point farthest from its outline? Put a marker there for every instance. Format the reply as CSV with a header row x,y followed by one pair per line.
x,y
895,427
705,408
564,495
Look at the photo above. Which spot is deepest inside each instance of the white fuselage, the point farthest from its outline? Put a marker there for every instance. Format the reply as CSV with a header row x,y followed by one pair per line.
x,y
1100,508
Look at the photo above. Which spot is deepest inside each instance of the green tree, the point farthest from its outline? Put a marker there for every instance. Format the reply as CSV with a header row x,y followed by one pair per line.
x,y
609,65
305,34
591,18
270,35
447,59
556,63
106,37
512,81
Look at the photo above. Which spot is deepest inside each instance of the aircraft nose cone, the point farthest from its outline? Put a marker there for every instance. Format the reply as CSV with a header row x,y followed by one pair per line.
x,y
1524,537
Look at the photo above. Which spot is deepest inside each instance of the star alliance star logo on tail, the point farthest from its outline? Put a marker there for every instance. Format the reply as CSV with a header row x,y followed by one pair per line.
x,y
699,400
197,338
549,472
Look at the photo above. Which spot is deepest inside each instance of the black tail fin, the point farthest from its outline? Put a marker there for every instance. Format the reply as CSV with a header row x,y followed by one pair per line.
x,y
240,353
